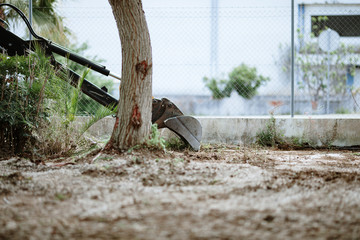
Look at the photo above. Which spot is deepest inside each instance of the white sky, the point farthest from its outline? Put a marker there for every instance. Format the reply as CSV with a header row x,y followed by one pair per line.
x,y
180,35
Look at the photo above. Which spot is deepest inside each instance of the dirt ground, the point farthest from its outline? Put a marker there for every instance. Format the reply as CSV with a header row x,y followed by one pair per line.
x,y
221,192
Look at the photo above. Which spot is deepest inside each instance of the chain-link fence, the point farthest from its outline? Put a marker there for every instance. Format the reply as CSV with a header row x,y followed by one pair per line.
x,y
207,58
234,57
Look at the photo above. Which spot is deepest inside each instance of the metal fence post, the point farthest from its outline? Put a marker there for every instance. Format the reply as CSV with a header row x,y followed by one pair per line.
x,y
214,39
292,59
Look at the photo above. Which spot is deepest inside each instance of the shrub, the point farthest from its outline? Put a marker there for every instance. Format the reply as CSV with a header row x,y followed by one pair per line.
x,y
23,93
37,107
243,79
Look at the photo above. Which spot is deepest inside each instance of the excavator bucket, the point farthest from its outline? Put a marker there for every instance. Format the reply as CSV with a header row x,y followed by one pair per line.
x,y
188,128
166,114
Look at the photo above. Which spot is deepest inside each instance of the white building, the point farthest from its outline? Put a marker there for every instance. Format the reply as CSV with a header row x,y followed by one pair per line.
x,y
343,17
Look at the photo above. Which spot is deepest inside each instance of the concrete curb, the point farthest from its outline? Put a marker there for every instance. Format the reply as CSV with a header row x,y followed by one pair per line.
x,y
319,130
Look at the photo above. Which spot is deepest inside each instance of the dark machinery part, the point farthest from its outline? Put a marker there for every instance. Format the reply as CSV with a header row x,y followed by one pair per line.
x,y
167,114
164,112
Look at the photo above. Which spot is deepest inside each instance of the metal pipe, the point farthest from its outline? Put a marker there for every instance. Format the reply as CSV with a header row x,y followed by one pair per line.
x,y
30,16
292,59
54,48
115,75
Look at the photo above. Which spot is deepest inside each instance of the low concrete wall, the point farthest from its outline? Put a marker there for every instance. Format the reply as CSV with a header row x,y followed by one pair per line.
x,y
321,130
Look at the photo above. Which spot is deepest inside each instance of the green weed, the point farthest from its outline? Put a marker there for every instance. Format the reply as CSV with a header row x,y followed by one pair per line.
x,y
155,140
268,137
175,144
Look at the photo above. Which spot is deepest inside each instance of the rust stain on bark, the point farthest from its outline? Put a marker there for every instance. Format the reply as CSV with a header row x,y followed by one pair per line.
x,y
136,117
143,67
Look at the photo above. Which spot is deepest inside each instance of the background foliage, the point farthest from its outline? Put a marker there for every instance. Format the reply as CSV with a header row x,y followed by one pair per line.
x,y
243,79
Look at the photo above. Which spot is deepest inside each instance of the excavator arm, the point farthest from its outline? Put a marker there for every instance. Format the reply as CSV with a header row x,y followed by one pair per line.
x,y
164,113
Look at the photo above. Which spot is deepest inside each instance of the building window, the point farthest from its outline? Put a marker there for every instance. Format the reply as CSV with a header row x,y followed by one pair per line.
x,y
345,25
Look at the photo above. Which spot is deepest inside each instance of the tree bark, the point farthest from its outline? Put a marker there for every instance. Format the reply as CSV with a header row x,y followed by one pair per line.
x,y
2,14
133,119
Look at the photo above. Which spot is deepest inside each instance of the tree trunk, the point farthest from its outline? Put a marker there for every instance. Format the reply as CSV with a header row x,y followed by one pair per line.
x,y
2,14
133,119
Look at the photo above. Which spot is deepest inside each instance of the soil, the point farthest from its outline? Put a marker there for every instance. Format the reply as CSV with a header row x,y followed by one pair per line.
x,y
220,192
